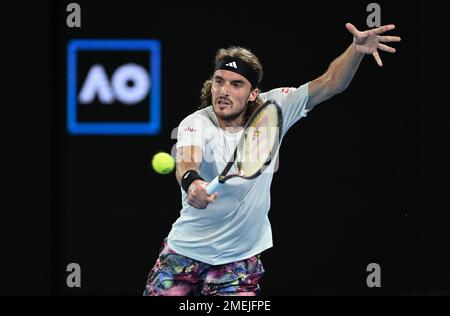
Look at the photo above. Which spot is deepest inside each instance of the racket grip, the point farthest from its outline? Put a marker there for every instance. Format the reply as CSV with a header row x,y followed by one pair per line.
x,y
213,186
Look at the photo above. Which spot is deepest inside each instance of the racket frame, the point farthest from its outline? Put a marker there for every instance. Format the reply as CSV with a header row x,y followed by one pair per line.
x,y
223,175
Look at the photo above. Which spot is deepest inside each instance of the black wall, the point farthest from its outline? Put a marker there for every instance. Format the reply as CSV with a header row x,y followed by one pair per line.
x,y
361,179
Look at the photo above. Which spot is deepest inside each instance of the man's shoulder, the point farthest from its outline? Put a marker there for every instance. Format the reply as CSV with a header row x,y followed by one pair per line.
x,y
204,116
281,94
282,91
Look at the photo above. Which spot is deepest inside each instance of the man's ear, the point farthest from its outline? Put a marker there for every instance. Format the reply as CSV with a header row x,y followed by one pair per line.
x,y
254,94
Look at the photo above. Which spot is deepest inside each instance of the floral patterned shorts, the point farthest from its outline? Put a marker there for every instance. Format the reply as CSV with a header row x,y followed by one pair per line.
x,y
177,275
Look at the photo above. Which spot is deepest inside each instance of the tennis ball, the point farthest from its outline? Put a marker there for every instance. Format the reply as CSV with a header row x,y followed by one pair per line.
x,y
163,163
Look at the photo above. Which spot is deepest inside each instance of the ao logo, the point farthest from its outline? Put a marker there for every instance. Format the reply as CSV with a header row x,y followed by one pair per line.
x,y
114,87
130,84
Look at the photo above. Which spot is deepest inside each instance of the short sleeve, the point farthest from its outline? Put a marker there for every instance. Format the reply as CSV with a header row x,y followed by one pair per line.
x,y
292,102
191,132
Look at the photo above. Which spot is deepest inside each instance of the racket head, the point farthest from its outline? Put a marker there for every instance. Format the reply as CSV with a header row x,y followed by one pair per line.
x,y
258,143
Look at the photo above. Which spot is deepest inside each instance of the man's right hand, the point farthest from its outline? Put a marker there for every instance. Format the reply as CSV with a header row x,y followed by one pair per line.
x,y
197,196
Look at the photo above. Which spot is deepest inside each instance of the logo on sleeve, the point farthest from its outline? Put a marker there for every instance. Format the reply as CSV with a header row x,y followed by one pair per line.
x,y
190,129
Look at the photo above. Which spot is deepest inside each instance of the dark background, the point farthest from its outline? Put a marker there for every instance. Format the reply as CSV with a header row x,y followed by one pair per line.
x,y
362,179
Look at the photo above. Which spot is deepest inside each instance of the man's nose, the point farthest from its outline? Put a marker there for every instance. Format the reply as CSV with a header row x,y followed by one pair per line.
x,y
224,89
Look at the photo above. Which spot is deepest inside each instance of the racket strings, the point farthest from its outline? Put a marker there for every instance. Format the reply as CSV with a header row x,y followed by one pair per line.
x,y
258,142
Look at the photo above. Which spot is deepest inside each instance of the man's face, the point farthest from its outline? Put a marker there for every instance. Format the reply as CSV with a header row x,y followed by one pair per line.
x,y
230,94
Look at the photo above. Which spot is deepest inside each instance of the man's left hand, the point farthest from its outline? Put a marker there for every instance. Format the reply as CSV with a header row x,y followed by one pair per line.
x,y
368,42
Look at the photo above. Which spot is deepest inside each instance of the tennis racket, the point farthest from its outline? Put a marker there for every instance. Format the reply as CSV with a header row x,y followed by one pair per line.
x,y
256,147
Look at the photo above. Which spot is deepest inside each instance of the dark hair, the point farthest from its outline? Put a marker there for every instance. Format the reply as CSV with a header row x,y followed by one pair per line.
x,y
247,56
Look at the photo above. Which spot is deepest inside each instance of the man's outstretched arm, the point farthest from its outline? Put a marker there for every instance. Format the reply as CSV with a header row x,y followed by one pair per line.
x,y
342,70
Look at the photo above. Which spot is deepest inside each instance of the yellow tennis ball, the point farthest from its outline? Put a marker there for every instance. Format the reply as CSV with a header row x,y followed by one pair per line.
x,y
163,163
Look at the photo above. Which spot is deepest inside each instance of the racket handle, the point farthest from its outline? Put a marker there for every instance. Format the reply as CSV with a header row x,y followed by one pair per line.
x,y
213,186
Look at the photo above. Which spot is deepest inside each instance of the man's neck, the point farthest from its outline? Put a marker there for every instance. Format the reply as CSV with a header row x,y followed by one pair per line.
x,y
232,126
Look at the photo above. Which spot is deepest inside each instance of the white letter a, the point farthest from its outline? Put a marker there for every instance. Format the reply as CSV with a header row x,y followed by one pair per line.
x,y
374,19
74,18
374,279
74,278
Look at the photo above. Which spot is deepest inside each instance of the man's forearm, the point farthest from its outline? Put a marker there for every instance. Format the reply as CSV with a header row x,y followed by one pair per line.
x,y
182,168
188,158
343,69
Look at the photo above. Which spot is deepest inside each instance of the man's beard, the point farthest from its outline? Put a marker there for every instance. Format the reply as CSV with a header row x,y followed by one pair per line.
x,y
230,117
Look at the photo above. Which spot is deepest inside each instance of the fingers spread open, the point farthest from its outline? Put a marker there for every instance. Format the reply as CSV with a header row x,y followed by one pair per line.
x,y
387,48
378,59
388,39
352,29
384,28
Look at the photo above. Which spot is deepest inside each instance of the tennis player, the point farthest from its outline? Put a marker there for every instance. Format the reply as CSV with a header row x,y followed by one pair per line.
x,y
214,246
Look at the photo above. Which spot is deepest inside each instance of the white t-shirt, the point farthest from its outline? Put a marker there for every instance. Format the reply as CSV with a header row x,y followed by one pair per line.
x,y
236,226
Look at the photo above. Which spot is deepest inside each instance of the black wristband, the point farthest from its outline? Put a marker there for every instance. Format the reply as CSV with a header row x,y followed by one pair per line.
x,y
188,177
